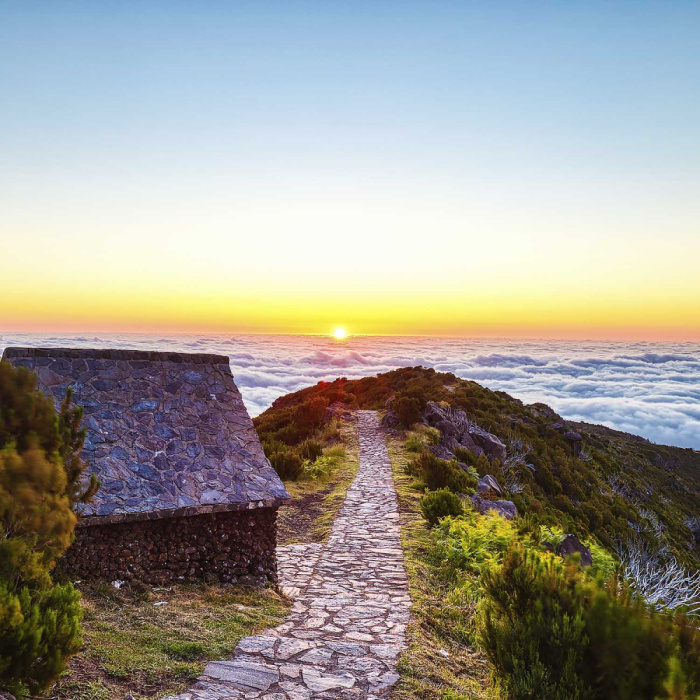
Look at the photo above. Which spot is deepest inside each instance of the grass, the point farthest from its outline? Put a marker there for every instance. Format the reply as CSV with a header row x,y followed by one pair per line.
x,y
315,502
439,662
131,646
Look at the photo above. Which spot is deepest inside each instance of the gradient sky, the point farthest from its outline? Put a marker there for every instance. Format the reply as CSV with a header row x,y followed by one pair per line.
x,y
493,168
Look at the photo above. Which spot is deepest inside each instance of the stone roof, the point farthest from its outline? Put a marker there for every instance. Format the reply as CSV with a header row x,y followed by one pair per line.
x,y
167,433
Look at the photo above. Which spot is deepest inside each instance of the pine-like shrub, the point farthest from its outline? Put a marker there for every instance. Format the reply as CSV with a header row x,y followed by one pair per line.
x,y
438,473
310,450
288,464
40,483
688,636
439,504
407,409
465,456
553,632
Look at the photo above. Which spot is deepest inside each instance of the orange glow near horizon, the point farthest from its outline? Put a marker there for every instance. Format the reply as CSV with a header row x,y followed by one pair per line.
x,y
288,276
487,317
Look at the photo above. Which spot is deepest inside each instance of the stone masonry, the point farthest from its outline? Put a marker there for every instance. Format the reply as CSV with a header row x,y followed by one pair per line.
x,y
347,625
186,490
231,547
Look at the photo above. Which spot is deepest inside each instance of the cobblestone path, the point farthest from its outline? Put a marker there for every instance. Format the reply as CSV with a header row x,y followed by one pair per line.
x,y
351,603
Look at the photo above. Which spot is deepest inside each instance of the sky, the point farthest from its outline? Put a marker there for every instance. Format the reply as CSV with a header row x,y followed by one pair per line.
x,y
438,168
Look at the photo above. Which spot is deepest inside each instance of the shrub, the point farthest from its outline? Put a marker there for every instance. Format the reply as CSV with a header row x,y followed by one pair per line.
x,y
474,541
310,414
688,636
465,456
483,466
288,465
310,450
551,631
407,409
40,483
414,444
439,504
330,432
324,465
439,473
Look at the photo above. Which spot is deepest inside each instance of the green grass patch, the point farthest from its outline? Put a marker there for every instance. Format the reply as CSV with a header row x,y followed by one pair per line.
x,y
131,646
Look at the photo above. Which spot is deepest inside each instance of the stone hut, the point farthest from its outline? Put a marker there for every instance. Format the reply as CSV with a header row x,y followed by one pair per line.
x,y
187,492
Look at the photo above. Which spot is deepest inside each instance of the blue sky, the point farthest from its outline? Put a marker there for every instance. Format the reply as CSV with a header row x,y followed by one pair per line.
x,y
552,128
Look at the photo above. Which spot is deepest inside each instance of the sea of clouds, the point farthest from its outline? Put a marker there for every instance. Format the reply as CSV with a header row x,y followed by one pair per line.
x,y
649,389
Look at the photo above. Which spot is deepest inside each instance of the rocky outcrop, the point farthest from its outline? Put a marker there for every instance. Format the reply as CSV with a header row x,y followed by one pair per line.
x,y
456,430
390,421
574,439
506,509
556,422
541,410
339,411
488,486
570,545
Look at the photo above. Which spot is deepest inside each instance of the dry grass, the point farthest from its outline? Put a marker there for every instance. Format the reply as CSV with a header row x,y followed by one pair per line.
x,y
132,646
437,627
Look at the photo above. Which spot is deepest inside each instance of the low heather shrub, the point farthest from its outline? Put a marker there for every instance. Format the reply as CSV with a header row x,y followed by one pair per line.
x,y
551,631
439,504
288,465
438,473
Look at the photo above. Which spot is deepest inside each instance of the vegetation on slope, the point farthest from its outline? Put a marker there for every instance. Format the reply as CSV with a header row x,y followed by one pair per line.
x,y
620,488
442,660
485,587
318,493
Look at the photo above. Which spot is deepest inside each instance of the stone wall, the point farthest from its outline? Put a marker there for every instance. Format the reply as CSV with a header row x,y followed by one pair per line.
x,y
234,547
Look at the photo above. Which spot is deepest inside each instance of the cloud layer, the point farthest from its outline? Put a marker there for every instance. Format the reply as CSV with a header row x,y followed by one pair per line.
x,y
650,389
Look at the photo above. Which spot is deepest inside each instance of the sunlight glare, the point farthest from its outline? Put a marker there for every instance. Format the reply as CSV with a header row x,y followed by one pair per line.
x,y
340,334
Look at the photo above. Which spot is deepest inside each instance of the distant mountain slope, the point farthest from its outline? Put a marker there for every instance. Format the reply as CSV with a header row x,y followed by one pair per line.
x,y
588,478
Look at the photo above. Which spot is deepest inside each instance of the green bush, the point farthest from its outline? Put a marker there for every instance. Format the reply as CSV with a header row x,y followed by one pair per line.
x,y
474,542
414,443
310,450
689,651
407,409
465,456
553,632
310,414
438,473
439,504
288,465
40,483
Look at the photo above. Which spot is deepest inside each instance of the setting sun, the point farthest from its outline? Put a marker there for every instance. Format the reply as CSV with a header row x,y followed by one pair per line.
x,y
340,334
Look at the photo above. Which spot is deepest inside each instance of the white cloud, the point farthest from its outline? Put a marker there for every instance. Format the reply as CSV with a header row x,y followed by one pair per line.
x,y
650,389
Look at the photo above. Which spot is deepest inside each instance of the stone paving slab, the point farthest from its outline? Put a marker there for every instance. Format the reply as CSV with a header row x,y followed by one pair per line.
x,y
295,564
351,605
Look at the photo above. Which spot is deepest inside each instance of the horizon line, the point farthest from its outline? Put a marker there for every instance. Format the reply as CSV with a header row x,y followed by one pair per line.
x,y
350,336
